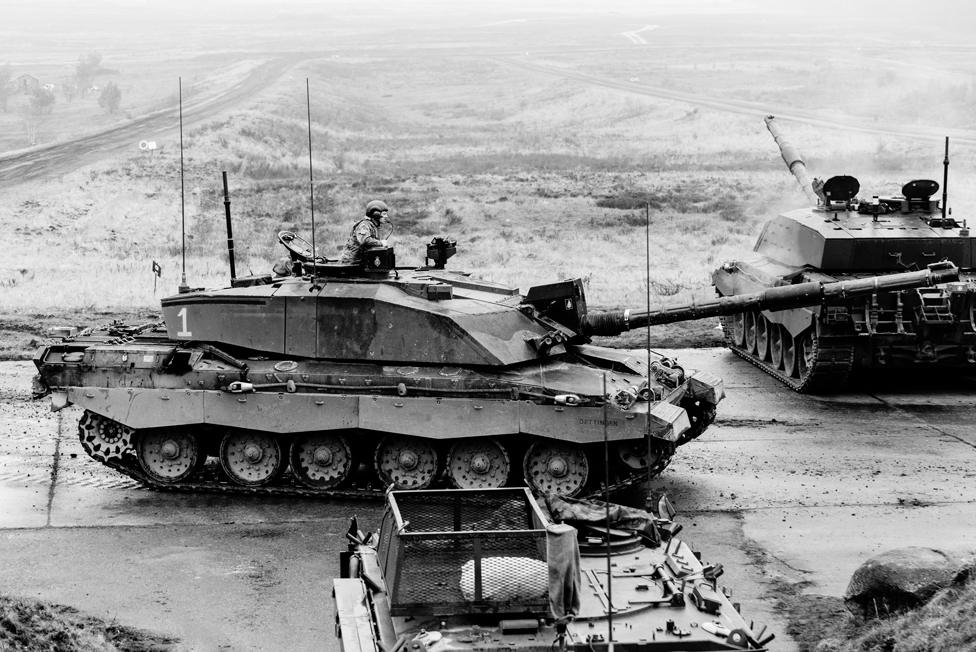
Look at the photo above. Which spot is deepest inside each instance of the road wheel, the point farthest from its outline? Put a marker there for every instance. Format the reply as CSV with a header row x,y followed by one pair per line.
x,y
750,334
480,463
251,458
169,456
789,354
556,467
321,460
762,336
405,462
776,345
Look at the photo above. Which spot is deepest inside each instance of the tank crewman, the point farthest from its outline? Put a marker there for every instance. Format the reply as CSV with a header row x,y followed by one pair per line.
x,y
365,233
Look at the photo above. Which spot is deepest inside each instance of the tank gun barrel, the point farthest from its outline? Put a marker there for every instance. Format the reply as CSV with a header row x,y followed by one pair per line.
x,y
776,298
791,156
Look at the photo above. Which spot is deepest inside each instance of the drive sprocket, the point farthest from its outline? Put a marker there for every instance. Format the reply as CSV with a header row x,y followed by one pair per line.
x,y
104,439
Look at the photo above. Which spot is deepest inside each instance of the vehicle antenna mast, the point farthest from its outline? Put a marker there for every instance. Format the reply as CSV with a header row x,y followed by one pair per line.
x,y
183,286
311,186
606,501
945,179
647,269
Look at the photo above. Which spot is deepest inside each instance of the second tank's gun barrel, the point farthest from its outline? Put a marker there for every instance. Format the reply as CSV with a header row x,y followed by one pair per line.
x,y
791,156
781,297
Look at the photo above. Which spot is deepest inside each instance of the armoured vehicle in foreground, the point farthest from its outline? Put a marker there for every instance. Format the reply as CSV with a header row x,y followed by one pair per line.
x,y
295,381
841,237
492,570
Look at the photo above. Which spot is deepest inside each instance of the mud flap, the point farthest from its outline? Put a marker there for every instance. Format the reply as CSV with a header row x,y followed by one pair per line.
x,y
706,386
59,401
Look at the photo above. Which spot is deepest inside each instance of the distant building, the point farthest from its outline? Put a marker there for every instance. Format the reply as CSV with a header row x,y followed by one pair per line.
x,y
26,83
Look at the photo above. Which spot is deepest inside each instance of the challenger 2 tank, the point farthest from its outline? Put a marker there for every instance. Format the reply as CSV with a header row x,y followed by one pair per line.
x,y
495,569
841,237
327,378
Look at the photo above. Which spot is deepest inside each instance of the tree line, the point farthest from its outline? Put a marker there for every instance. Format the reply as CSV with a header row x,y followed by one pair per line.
x,y
39,98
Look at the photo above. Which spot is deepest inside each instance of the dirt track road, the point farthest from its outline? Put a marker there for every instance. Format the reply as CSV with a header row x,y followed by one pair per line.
x,y
783,488
55,159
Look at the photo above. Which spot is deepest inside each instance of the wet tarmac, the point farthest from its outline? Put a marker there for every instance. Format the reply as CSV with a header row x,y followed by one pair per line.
x,y
782,487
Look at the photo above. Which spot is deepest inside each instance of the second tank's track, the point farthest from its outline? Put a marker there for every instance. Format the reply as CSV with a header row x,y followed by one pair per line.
x,y
831,364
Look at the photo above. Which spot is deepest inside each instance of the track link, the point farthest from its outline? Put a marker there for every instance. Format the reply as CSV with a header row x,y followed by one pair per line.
x,y
831,364
210,480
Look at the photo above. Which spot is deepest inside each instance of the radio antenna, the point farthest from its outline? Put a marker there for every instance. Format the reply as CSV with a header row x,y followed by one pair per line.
x,y
945,180
311,186
647,265
230,230
183,286
606,502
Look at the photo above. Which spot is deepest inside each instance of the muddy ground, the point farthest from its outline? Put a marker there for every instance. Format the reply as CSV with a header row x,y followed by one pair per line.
x,y
790,492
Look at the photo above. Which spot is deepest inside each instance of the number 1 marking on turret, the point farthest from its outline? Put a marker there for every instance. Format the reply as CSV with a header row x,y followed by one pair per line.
x,y
183,333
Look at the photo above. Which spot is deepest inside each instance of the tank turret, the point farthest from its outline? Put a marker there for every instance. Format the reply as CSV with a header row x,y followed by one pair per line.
x,y
843,237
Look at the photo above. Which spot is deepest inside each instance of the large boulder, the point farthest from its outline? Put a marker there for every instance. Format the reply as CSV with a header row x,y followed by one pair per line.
x,y
899,580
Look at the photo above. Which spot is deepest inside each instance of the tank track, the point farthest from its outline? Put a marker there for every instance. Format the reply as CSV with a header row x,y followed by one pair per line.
x,y
210,480
831,367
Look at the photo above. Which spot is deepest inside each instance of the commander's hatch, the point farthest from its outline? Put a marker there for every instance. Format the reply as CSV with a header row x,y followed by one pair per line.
x,y
837,193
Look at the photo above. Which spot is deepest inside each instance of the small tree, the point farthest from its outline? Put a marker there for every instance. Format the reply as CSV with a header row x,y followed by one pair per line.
x,y
110,97
41,101
6,72
86,69
69,88
34,109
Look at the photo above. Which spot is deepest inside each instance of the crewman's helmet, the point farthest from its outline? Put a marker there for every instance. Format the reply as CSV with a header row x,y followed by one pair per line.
x,y
376,207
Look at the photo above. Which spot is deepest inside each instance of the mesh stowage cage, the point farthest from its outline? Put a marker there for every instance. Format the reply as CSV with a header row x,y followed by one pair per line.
x,y
455,552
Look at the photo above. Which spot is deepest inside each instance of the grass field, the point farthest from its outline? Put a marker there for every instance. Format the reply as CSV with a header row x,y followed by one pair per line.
x,y
537,176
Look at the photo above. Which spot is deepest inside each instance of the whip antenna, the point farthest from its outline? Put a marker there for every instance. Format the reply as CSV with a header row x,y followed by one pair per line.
x,y
606,502
945,179
647,265
183,286
311,186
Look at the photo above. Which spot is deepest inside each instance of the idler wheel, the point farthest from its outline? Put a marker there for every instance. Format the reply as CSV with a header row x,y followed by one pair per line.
x,y
634,455
405,462
169,456
776,345
251,458
806,354
738,329
480,463
762,336
102,438
321,460
556,467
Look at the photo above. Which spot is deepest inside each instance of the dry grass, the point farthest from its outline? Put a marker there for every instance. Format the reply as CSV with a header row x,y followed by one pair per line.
x,y
31,626
538,177
944,623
